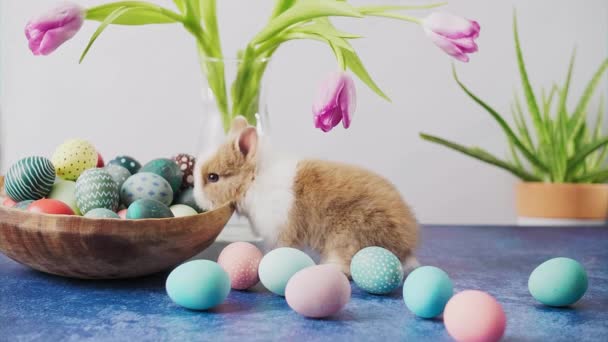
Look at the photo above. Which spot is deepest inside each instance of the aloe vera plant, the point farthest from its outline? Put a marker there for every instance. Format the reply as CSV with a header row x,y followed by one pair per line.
x,y
554,143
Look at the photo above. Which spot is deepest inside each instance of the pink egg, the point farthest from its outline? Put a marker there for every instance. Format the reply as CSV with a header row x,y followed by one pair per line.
x,y
123,214
8,202
474,316
318,291
241,260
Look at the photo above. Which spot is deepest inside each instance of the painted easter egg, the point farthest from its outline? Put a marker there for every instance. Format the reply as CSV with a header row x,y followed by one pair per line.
x,y
95,188
426,291
122,213
100,162
186,165
118,173
50,206
31,178
167,169
186,197
181,210
558,282
101,213
65,191
318,291
279,265
241,260
127,162
23,204
146,185
148,208
8,202
376,270
472,316
198,285
73,157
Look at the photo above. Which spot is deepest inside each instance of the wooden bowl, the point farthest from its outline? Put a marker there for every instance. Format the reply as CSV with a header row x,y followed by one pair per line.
x,y
79,247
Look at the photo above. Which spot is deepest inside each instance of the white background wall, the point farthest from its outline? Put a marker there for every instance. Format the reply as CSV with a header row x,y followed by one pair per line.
x,y
138,93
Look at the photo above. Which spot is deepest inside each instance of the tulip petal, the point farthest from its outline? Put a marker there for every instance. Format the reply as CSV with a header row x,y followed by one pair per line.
x,y
447,46
451,26
335,102
466,45
47,32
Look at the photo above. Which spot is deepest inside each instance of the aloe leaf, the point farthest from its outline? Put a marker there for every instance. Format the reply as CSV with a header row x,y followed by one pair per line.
x,y
140,13
585,151
527,88
514,155
502,123
524,131
353,62
598,176
563,96
303,11
109,20
597,132
589,90
484,156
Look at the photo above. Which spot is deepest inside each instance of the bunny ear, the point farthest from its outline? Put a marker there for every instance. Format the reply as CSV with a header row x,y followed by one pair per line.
x,y
247,142
239,123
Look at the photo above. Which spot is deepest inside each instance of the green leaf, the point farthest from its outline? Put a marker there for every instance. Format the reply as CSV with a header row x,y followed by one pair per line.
x,y
584,152
109,20
522,125
325,29
140,13
598,176
484,156
180,5
353,62
563,96
281,6
528,92
388,8
589,90
502,123
303,11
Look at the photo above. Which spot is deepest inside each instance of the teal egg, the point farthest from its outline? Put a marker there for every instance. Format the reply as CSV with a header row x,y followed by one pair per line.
x,y
31,178
167,169
376,270
65,191
558,282
23,204
198,285
426,291
118,173
146,185
101,213
186,197
95,188
279,265
127,162
148,208
181,210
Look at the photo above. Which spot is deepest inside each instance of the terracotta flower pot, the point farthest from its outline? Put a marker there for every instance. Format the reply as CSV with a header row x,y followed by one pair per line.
x,y
578,203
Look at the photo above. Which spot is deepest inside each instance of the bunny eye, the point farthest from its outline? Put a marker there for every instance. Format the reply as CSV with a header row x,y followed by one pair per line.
x,y
213,177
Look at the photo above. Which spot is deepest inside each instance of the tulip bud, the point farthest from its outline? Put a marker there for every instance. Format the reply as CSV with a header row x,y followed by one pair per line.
x,y
335,102
454,35
47,32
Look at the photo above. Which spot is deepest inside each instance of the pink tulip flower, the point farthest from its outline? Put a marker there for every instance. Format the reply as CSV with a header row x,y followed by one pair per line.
x,y
454,35
335,102
47,32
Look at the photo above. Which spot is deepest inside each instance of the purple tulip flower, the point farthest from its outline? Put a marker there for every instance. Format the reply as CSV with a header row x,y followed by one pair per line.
x,y
454,35
335,102
47,32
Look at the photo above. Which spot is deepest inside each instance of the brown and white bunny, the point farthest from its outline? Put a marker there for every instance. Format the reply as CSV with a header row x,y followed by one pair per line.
x,y
330,208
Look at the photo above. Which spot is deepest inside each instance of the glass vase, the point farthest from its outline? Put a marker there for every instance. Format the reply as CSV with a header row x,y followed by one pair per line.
x,y
218,111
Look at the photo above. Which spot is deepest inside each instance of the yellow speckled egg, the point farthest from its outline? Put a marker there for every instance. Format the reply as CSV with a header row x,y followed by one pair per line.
x,y
73,157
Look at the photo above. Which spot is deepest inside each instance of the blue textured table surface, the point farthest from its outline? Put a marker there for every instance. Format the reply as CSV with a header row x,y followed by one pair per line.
x,y
36,306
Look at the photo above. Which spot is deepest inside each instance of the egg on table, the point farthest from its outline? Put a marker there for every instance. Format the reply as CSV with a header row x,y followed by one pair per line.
x,y
31,178
167,169
50,206
73,157
241,261
472,316
318,291
146,185
95,188
426,291
198,285
279,265
148,208
558,282
376,270
127,162
65,191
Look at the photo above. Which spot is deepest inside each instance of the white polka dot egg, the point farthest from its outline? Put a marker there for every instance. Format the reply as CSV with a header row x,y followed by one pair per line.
x,y
376,270
241,261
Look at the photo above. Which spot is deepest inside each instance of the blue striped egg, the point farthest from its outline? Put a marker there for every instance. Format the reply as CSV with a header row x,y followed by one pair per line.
x,y
31,178
146,185
95,188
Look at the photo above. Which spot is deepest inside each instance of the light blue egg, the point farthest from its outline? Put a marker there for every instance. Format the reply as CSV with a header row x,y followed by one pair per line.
x,y
558,282
279,265
101,213
426,291
146,185
198,285
376,270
